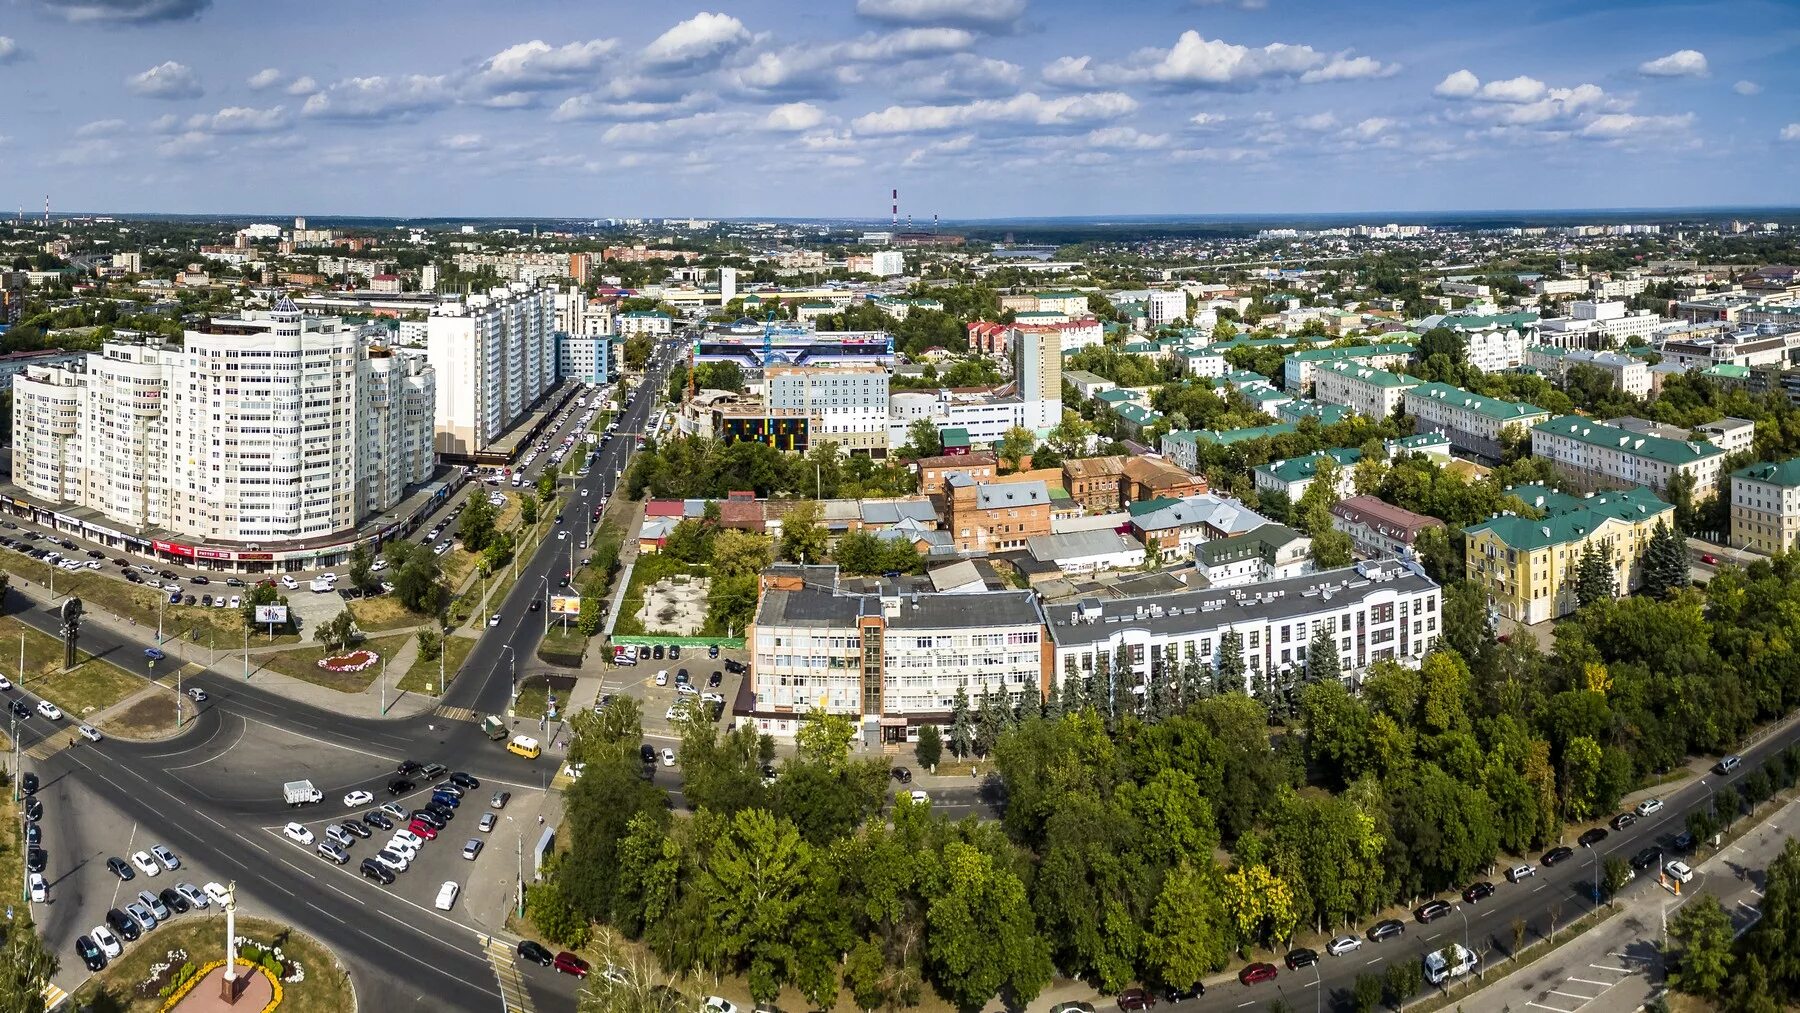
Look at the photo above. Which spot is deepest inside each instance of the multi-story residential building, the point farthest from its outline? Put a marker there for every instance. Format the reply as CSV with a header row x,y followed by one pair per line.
x,y
1271,552
268,430
994,517
1491,341
495,356
1629,373
1375,393
1472,422
935,472
893,660
1598,325
1595,455
1037,372
1177,526
1765,506
586,359
1152,477
1075,304
1560,286
1096,484
1299,368
655,323
1167,307
1729,434
1528,567
1293,476
843,404
1386,610
881,263
1378,528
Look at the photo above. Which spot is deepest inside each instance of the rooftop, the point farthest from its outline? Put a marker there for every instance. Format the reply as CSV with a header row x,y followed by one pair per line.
x,y
1303,469
1570,518
1598,434
1492,407
1782,473
824,608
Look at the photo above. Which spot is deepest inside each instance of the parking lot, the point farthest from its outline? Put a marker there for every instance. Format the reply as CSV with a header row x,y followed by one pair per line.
x,y
640,680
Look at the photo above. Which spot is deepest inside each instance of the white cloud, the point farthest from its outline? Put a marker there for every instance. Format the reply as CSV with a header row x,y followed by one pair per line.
x,y
1207,121
703,38
539,66
1350,68
379,98
1125,138
843,161
985,14
1519,89
268,77
1249,5
907,44
1747,88
1317,123
819,70
1791,132
614,105
168,80
1027,108
1681,63
8,49
794,117
1198,62
167,123
130,12
240,120
966,75
1370,128
651,134
462,142
303,85
1461,84
1618,126
100,128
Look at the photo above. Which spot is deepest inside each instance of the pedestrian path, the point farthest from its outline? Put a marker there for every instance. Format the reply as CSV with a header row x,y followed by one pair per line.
x,y
54,997
50,745
456,713
502,956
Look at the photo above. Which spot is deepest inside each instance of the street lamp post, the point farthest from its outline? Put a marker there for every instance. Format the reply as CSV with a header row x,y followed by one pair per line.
x,y
512,670
246,652
1465,921
546,580
384,684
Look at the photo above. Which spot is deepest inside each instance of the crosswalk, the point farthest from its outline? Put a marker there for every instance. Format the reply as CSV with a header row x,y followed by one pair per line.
x,y
502,956
49,746
54,997
456,713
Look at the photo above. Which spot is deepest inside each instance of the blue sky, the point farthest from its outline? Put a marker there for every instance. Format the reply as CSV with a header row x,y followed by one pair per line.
x,y
973,108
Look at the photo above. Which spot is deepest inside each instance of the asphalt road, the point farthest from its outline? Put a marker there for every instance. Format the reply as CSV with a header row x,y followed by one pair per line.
x,y
213,795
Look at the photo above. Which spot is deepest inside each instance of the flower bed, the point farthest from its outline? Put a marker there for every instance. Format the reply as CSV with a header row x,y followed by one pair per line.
x,y
355,661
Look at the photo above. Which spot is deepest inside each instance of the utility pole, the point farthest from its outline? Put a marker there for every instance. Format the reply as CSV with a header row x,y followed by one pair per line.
x,y
384,684
246,652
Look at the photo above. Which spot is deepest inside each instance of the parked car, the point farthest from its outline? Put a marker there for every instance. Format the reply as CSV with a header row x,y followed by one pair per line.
x,y
1647,858
1556,854
1431,911
1389,928
1623,820
1477,892
1679,871
1589,838
569,963
535,953
1519,872
1136,999
1648,806
1728,764
1343,944
1300,957
1257,973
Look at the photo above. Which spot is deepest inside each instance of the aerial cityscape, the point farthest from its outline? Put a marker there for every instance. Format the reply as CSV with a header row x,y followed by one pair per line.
x,y
939,505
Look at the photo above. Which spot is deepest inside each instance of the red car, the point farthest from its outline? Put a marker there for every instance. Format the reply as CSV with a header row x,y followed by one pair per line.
x,y
423,829
1136,999
569,963
1257,973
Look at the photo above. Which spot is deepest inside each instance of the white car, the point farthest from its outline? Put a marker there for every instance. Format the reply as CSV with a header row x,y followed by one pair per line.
x,y
715,1004
218,893
685,689
920,797
191,893
298,834
289,582
328,576
562,535
49,710
668,757
357,798
411,839
1679,871
5,684
90,733
235,602
145,864
108,943
40,890
1343,944
393,859
494,620
662,677
447,895
1648,806
378,566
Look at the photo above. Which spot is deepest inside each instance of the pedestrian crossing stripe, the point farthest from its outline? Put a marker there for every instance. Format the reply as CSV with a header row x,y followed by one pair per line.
x,y
54,997
506,973
455,713
43,749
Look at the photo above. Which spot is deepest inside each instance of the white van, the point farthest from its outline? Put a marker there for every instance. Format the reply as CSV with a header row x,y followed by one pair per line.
x,y
446,895
1439,970
320,584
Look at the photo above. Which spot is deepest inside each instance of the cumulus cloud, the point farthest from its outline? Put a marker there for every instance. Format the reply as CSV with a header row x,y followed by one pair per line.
x,y
983,14
1196,62
1207,121
965,75
1370,128
822,70
698,41
1024,109
168,80
125,12
378,98
539,66
1620,126
268,77
616,105
240,120
303,85
1125,139
1461,84
462,142
1317,123
100,128
1791,132
1747,88
794,117
659,132
1516,89
8,49
1681,63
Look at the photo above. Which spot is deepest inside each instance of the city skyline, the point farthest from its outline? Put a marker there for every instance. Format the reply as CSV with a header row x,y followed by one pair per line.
x,y
972,108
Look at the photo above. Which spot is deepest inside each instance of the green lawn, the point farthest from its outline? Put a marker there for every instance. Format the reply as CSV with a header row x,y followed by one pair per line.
x,y
534,699
384,612
135,602
302,663
91,686
325,988
557,644
422,677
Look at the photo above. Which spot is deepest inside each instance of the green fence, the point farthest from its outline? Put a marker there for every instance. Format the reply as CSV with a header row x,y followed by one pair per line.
x,y
730,642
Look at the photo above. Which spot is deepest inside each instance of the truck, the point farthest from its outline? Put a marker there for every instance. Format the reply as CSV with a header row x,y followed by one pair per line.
x,y
301,793
1452,961
493,727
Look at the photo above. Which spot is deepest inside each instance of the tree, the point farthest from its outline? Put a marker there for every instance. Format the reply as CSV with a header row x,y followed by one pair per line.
x,y
1231,661
528,510
740,553
1594,576
417,576
930,747
1775,939
1015,446
1189,935
923,439
981,934
1613,878
361,576
27,967
1331,549
1365,993
335,634
860,552
476,526
546,487
1322,662
1700,937
1260,906
1403,979
962,725
1665,562
802,534
753,884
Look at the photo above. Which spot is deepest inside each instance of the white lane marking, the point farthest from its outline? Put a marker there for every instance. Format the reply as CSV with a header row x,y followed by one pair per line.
x,y
296,868
1556,1009
1747,907
252,843
1590,981
326,913
429,966
1607,967
1571,995
212,759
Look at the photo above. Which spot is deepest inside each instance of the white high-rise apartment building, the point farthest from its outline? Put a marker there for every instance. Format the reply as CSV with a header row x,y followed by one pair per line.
x,y
495,356
1037,372
1166,307
273,428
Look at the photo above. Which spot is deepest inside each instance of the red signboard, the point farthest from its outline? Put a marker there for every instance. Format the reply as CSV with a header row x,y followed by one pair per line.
x,y
174,548
256,555
212,554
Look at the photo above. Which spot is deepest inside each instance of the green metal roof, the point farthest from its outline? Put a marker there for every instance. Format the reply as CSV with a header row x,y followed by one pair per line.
x,y
1231,436
1303,469
1336,352
1727,370
1599,434
1116,395
1369,375
1258,544
1570,517
1492,407
1327,414
1783,473
1136,414
954,437
1481,322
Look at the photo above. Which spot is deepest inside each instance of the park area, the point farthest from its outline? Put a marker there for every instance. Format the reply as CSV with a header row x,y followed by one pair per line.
x,y
303,663
155,968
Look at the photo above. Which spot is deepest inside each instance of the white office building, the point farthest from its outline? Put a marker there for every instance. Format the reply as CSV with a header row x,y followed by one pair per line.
x,y
269,429
1166,307
495,356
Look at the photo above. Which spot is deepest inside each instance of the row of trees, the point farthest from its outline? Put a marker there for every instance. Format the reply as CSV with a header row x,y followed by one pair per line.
x,y
696,467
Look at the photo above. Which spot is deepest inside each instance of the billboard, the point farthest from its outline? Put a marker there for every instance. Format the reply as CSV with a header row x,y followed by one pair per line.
x,y
565,605
272,614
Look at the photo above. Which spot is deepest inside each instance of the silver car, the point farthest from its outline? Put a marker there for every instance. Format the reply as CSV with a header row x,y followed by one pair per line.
x,y
155,904
142,914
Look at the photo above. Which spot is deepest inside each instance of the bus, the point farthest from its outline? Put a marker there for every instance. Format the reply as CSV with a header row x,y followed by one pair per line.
x,y
526,746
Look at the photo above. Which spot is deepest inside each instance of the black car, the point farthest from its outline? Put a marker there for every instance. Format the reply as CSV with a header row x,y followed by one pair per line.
x,y
1589,838
713,680
1301,957
901,774
96,554
132,576
377,872
432,816
536,953
233,582
408,768
400,786
713,651
199,580
647,753
122,923
1431,911
167,574
34,835
1557,854
1174,994
1390,928
535,605
378,820
465,780
1683,841
1648,858
656,651
1478,891
188,599
91,957
1623,820
174,901
19,709
36,859
434,770
121,869
674,652
29,784
735,667
353,827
